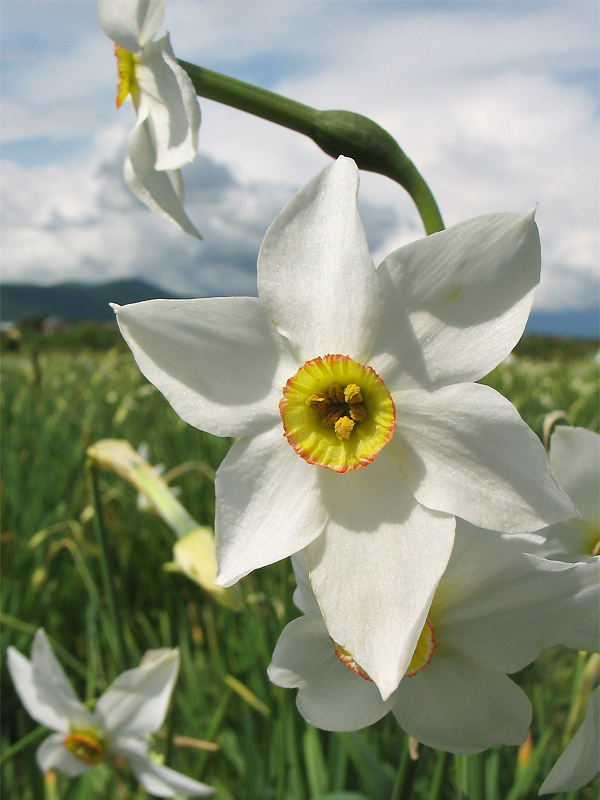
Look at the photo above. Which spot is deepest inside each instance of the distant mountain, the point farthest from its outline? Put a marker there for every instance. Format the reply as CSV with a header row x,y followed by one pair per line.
x,y
581,324
78,301
84,301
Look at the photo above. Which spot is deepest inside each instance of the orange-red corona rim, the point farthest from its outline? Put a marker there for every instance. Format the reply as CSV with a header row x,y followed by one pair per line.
x,y
337,413
348,660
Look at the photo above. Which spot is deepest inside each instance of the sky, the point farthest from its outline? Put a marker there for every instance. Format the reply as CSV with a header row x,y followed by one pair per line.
x,y
497,103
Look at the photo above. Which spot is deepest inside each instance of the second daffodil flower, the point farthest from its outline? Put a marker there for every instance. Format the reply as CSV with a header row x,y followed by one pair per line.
x,y
133,706
360,431
165,136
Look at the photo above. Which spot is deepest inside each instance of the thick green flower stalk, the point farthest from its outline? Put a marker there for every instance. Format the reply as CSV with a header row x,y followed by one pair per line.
x,y
336,132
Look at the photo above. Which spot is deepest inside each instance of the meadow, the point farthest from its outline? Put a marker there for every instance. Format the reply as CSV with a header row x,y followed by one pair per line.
x,y
228,725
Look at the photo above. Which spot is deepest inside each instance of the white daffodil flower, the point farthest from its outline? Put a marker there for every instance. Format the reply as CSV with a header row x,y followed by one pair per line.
x,y
494,610
168,115
581,760
360,432
133,706
575,465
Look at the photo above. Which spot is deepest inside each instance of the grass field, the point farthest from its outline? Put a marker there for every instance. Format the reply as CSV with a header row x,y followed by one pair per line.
x,y
227,726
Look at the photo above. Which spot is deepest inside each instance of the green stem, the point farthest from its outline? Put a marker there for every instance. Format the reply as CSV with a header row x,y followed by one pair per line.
x,y
336,132
32,736
107,580
405,775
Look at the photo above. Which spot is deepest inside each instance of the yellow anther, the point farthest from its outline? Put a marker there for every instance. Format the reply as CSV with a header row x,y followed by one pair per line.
x,y
331,416
336,393
358,412
319,401
343,428
353,394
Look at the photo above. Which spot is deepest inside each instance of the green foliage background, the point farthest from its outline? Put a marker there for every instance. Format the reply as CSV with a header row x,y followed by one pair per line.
x,y
58,401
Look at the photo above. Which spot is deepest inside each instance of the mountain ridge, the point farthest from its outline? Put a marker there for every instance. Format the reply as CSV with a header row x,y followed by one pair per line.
x,y
85,301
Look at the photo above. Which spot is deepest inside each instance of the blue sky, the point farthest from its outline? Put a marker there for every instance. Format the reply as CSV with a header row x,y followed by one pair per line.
x,y
496,102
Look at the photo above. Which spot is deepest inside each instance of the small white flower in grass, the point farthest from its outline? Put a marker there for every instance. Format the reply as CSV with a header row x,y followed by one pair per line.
x,y
165,136
581,760
133,706
494,610
360,431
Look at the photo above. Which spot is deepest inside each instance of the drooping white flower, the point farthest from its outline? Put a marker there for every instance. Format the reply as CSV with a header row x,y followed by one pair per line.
x,y
494,610
165,136
133,706
581,760
360,432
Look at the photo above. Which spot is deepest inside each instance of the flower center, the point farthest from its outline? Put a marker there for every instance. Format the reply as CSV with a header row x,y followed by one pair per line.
x,y
127,83
337,413
421,657
86,745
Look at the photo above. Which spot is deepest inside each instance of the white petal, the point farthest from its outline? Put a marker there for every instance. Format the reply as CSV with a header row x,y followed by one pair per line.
x,y
331,696
131,23
376,566
216,360
497,608
452,707
571,540
52,754
156,779
583,632
575,463
581,760
465,450
304,597
44,688
171,103
316,278
268,505
20,671
456,302
161,191
136,702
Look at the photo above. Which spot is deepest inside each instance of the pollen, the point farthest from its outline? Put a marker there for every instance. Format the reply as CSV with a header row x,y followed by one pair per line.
x,y
337,413
86,745
127,83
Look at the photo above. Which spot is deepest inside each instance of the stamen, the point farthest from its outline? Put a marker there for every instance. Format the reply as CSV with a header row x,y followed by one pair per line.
x,y
353,394
343,428
86,745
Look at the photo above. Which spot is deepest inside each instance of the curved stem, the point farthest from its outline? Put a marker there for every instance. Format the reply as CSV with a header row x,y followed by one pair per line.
x,y
336,132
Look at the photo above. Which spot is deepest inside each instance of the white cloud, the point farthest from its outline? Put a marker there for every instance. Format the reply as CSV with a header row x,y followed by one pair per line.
x,y
495,102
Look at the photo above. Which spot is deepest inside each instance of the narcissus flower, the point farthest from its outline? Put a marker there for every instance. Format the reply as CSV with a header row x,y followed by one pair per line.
x,y
581,760
360,433
133,706
494,610
575,465
168,115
